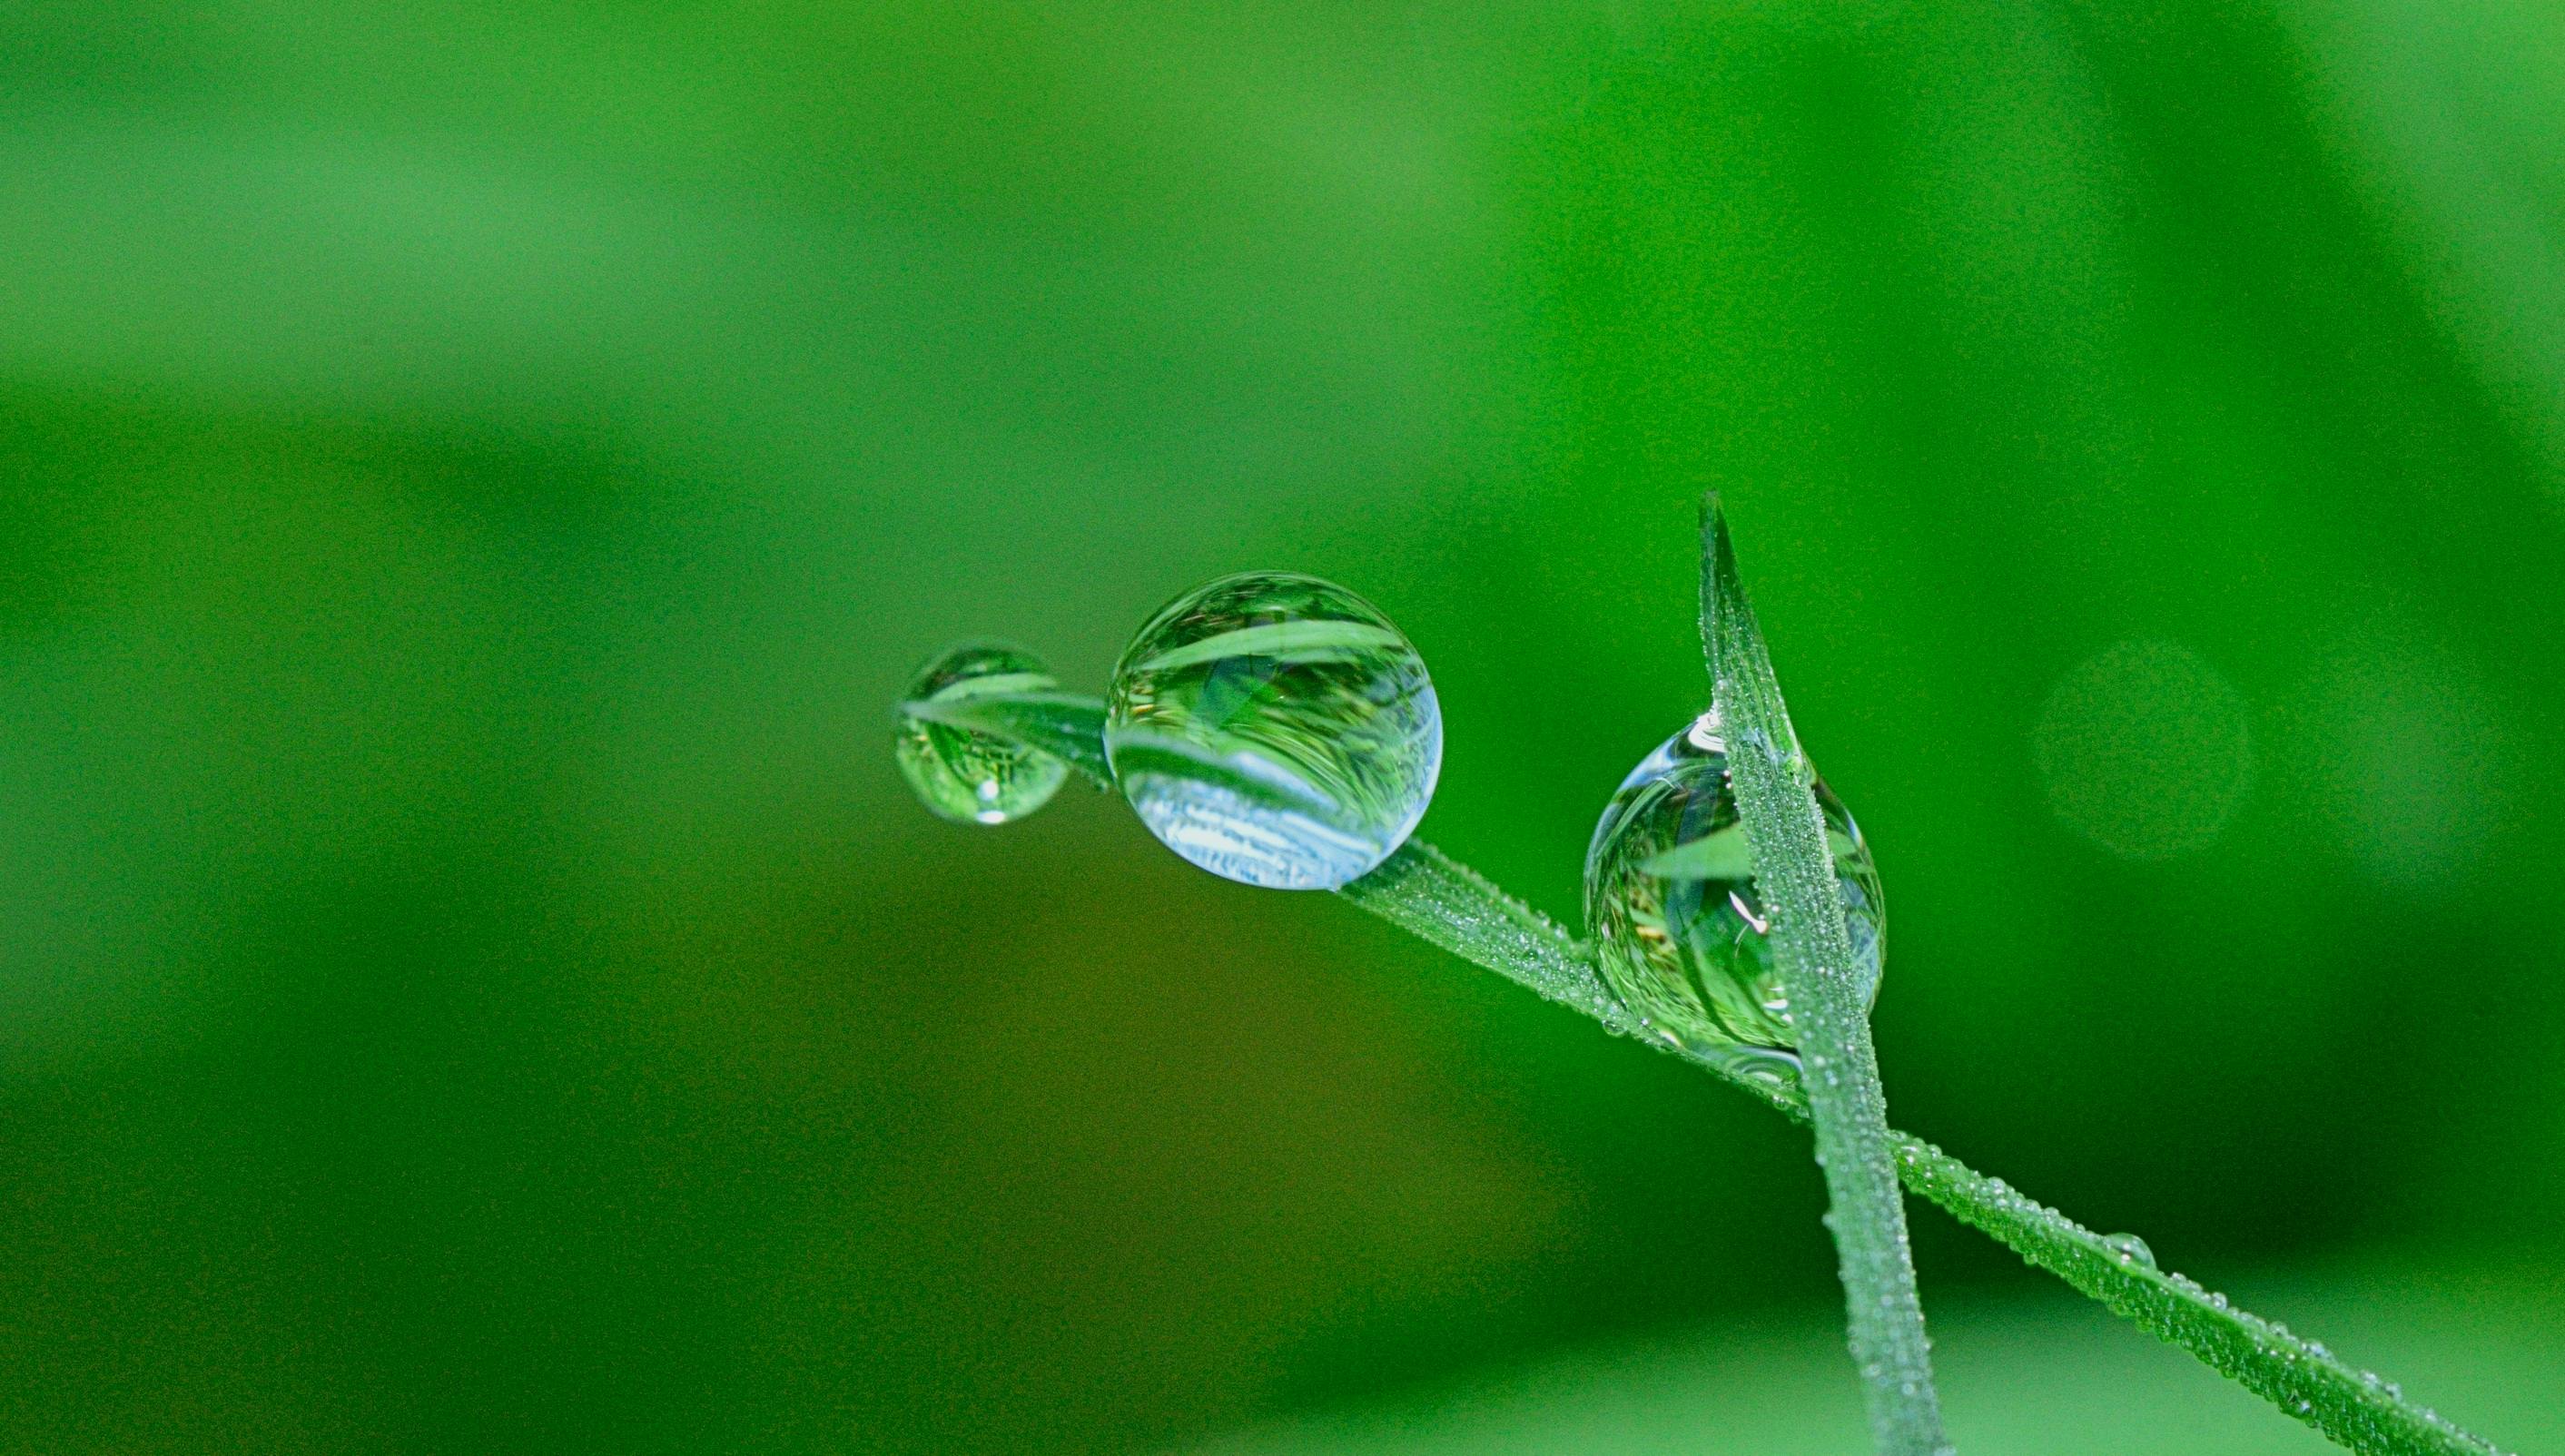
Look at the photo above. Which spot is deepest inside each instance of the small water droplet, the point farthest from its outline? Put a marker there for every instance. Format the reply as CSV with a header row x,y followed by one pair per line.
x,y
1670,900
974,778
2131,1250
1275,730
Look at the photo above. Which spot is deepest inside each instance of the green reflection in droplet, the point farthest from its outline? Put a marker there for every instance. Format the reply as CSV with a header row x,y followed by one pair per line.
x,y
1681,933
1274,729
966,776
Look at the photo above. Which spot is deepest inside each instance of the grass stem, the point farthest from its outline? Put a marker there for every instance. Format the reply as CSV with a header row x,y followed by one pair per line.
x,y
1794,876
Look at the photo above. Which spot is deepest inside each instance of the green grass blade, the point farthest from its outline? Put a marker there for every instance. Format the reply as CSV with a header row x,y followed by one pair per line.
x,y
2353,1408
1435,899
1430,895
1794,874
1427,893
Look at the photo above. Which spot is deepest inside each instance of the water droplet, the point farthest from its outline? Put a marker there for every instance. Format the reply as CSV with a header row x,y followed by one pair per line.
x,y
974,778
1670,901
1274,729
2130,1250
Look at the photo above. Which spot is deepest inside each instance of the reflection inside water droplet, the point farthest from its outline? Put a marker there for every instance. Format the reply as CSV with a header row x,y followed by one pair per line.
x,y
2131,1250
1275,730
1681,934
966,776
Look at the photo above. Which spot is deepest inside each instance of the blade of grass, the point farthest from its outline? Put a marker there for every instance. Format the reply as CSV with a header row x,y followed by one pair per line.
x,y
1794,874
1431,896
1443,901
2353,1408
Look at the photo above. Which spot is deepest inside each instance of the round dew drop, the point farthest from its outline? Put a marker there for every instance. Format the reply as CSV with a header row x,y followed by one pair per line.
x,y
962,774
1274,729
1681,932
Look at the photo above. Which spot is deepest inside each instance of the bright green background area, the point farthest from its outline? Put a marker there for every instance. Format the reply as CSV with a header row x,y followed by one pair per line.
x,y
473,479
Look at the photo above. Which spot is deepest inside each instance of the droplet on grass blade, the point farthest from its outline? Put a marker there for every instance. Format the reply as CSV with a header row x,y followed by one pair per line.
x,y
1274,729
1682,934
967,776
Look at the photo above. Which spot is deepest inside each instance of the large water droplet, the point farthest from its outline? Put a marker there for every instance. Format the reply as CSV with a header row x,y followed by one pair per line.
x,y
1670,900
1275,730
2130,1250
966,776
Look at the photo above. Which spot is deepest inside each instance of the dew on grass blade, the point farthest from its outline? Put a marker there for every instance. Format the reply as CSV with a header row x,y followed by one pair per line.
x,y
1682,934
1275,730
963,776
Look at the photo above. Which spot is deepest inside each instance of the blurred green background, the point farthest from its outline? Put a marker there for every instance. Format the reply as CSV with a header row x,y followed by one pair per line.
x,y
473,479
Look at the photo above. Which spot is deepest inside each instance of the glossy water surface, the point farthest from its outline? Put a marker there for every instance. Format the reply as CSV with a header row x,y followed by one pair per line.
x,y
966,776
1274,729
1678,927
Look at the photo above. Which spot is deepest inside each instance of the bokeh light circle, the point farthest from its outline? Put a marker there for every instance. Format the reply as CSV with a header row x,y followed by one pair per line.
x,y
2143,749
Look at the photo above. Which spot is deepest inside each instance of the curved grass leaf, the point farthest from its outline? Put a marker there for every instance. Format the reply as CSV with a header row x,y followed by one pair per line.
x,y
1445,903
1425,891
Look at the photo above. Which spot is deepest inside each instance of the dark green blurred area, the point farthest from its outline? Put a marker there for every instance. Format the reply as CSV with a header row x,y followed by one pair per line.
x,y
472,481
